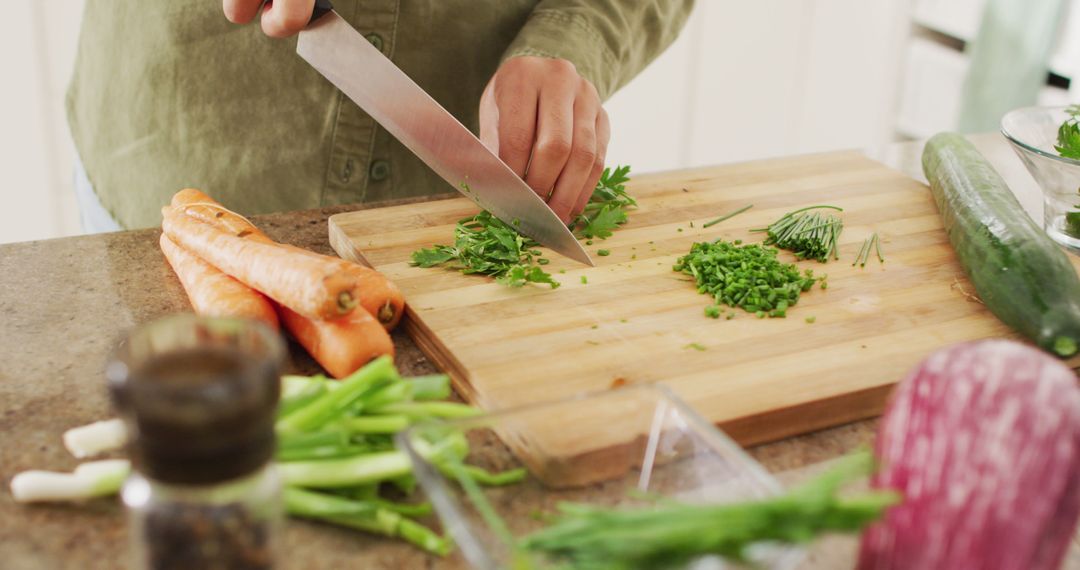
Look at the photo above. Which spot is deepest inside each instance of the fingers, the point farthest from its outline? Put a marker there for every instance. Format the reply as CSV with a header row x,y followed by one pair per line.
x,y
241,11
284,18
603,135
570,189
516,98
554,139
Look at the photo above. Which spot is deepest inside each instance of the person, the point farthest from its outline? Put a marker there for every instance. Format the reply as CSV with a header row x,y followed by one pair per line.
x,y
167,95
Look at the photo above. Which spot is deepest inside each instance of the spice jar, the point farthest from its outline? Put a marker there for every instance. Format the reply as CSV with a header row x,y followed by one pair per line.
x,y
199,396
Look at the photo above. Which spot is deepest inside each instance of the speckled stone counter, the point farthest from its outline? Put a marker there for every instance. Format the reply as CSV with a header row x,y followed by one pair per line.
x,y
64,303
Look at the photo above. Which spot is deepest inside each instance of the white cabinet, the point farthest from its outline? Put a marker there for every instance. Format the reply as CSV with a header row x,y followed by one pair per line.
x,y
937,65
930,93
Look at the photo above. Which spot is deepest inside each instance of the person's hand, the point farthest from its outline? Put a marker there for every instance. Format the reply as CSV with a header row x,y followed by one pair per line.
x,y
280,18
547,124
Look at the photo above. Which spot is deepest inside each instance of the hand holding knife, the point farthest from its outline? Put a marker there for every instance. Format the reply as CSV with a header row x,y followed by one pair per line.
x,y
399,105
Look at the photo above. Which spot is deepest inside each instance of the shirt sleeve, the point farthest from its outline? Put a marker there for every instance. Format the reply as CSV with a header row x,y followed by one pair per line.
x,y
608,41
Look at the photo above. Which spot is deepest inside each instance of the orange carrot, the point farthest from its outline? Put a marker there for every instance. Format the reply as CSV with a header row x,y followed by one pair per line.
x,y
340,346
378,295
308,285
213,293
205,209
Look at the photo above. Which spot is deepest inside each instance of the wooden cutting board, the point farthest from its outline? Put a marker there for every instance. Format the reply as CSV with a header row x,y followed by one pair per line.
x,y
636,320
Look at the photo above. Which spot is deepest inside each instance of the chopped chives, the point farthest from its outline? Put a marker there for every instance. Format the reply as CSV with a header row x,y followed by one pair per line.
x,y
727,216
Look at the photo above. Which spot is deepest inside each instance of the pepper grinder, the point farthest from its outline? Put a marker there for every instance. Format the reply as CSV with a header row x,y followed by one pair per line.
x,y
198,397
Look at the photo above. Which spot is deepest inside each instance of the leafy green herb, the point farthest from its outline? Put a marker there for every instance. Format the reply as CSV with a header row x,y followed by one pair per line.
x,y
608,206
1068,138
727,216
484,244
603,252
811,319
1072,224
809,235
584,280
696,346
749,277
712,311
671,534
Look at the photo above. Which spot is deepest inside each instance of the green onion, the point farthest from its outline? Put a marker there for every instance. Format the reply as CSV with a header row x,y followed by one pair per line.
x,y
671,534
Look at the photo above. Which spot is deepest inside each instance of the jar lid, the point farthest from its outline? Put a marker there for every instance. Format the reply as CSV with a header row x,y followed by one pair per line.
x,y
199,397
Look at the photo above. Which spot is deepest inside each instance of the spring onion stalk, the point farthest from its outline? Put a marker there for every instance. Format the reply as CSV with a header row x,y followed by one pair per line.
x,y
95,438
388,424
346,472
331,405
299,391
364,516
668,534
333,451
483,476
432,387
430,410
89,480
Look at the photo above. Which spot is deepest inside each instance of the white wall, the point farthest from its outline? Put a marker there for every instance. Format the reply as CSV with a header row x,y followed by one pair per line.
x,y
37,50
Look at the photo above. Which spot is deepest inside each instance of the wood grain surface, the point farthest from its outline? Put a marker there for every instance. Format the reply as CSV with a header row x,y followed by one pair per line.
x,y
637,321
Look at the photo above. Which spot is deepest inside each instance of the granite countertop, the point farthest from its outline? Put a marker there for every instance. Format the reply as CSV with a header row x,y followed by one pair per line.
x,y
64,303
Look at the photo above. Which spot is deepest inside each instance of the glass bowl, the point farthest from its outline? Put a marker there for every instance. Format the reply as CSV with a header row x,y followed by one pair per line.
x,y
1032,131
625,446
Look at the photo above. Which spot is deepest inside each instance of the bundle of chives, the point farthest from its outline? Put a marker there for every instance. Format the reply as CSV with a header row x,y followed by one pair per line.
x,y
809,235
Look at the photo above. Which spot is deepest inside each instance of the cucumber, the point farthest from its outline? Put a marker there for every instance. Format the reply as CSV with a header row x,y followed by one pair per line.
x,y
1020,274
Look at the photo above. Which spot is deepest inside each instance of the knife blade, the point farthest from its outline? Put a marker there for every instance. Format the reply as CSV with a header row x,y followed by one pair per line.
x,y
346,58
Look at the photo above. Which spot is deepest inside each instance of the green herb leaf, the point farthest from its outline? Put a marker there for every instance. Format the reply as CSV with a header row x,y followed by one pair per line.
x,y
485,245
1068,139
437,255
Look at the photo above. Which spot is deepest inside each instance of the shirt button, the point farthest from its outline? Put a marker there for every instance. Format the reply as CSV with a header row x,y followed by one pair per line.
x,y
346,172
380,170
376,40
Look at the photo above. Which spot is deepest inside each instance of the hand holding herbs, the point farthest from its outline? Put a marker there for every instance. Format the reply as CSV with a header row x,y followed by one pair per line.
x,y
335,453
486,245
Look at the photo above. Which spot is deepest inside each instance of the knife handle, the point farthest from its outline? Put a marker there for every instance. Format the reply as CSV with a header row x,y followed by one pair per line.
x,y
321,8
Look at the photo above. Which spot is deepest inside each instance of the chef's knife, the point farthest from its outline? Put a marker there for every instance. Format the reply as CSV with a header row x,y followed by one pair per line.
x,y
373,82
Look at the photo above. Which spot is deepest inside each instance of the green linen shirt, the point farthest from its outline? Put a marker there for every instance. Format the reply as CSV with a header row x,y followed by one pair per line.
x,y
169,94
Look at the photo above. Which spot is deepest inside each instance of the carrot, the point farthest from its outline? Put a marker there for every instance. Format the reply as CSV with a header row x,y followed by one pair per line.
x,y
340,346
205,209
378,295
308,285
213,293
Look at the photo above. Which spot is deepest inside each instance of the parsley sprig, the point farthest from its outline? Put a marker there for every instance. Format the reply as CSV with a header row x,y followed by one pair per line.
x,y
486,245
1069,134
607,209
